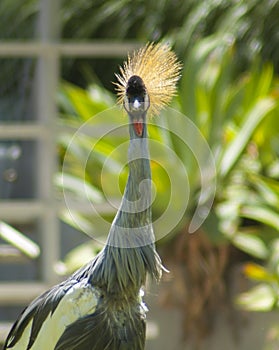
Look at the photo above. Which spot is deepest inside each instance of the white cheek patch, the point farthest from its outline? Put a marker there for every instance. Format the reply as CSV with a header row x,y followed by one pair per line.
x,y
136,104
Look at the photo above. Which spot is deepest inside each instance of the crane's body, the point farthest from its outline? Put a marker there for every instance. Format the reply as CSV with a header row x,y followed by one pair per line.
x,y
100,306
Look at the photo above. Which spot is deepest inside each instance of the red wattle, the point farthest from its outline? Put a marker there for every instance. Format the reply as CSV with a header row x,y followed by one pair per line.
x,y
138,127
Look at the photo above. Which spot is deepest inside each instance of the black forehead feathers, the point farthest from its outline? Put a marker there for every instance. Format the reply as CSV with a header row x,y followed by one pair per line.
x,y
135,86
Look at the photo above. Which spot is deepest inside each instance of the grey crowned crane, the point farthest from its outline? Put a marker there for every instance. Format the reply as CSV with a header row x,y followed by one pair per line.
x,y
100,306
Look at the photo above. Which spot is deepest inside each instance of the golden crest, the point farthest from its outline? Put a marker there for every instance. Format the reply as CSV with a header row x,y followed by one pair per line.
x,y
159,69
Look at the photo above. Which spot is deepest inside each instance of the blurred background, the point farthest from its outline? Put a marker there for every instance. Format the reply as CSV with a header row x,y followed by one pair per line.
x,y
58,60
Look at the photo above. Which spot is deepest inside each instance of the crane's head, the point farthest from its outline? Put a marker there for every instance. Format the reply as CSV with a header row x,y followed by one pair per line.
x,y
147,82
136,102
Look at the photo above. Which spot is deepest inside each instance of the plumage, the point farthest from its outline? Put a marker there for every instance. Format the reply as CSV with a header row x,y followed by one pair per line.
x,y
100,306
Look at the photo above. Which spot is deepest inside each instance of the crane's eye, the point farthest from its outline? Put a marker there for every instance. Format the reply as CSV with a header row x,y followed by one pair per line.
x,y
136,98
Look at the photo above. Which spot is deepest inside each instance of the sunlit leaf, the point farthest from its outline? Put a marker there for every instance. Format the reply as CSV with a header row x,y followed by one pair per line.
x,y
76,258
19,240
259,298
261,214
268,189
78,186
251,244
250,122
78,221
82,103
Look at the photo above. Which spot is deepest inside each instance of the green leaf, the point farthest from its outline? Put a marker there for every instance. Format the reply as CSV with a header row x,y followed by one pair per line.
x,y
262,214
268,189
251,244
78,186
251,121
259,298
76,258
19,240
78,221
190,82
84,103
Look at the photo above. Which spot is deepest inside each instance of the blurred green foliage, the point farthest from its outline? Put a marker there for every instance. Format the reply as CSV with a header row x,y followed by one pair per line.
x,y
237,116
252,24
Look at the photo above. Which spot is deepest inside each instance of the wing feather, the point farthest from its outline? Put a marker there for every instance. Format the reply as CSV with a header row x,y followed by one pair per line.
x,y
44,320
50,299
100,331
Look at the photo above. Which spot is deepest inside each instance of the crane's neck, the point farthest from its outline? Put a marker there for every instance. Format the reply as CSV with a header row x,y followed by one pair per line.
x,y
130,253
133,220
135,208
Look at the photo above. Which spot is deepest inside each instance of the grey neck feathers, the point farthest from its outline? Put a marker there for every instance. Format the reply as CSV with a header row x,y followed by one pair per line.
x,y
135,209
130,252
132,226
